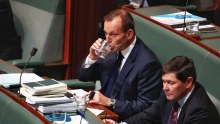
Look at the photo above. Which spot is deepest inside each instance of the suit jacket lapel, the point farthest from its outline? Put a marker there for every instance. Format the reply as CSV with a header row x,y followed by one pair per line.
x,y
186,104
125,70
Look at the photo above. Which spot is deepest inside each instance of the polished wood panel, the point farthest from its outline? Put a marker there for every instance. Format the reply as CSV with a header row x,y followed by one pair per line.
x,y
85,16
107,114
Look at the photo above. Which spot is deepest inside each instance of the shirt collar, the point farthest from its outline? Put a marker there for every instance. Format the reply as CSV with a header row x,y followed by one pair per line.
x,y
126,52
184,99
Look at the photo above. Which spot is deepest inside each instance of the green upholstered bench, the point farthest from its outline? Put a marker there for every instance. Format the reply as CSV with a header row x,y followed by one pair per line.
x,y
77,84
167,44
13,113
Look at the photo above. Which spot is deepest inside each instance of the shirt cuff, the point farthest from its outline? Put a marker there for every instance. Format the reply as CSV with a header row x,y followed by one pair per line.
x,y
88,62
123,123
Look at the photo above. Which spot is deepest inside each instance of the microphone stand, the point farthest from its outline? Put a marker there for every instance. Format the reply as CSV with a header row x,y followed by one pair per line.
x,y
184,17
33,52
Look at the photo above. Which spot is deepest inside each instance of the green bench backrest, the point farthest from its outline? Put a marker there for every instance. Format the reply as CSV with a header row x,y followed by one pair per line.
x,y
40,23
13,113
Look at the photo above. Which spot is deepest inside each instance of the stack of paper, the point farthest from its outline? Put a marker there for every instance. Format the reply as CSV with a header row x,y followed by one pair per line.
x,y
49,108
48,105
45,87
42,100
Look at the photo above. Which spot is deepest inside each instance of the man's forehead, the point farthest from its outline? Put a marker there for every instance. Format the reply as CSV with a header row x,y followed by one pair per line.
x,y
169,76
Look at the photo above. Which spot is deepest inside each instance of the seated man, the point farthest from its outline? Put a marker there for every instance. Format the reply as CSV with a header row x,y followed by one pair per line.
x,y
136,83
184,101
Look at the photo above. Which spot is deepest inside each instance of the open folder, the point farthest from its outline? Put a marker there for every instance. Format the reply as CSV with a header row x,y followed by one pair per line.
x,y
177,18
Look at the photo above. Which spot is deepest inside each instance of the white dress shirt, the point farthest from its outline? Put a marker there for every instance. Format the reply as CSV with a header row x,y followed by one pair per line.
x,y
137,3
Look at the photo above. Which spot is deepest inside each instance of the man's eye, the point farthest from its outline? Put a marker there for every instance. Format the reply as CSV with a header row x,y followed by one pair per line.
x,y
169,82
113,35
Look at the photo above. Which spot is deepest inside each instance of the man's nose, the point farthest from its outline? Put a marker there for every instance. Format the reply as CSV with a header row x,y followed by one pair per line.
x,y
108,37
165,87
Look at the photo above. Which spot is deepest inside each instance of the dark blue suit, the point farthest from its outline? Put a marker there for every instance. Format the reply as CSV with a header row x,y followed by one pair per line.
x,y
138,84
198,109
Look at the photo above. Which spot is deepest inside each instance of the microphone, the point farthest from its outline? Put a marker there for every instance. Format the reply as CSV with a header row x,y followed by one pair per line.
x,y
91,95
33,52
184,17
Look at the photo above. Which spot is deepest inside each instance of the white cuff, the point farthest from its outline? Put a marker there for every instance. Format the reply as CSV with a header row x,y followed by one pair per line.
x,y
88,62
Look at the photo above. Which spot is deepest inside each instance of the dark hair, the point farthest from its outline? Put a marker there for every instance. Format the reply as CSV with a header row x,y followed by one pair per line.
x,y
182,66
127,20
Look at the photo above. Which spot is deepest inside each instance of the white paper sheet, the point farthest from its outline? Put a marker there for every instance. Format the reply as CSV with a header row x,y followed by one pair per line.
x,y
6,80
76,120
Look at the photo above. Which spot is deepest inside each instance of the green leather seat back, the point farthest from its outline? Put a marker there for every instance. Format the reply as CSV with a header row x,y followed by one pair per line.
x,y
13,113
40,23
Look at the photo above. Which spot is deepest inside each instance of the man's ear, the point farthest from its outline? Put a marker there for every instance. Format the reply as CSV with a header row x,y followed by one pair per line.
x,y
189,82
130,34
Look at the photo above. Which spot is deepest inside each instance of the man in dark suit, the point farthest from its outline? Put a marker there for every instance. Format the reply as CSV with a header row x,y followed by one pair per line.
x,y
10,47
138,83
179,86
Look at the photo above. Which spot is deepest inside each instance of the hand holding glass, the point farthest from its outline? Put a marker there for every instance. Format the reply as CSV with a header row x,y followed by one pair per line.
x,y
103,50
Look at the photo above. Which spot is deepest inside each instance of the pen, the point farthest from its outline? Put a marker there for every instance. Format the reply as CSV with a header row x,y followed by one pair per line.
x,y
71,113
81,113
104,115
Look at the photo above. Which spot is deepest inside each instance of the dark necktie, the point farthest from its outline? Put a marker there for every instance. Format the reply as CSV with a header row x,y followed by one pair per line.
x,y
113,76
173,114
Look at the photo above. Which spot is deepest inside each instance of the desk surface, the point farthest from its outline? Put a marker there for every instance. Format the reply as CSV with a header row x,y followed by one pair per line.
x,y
90,117
213,37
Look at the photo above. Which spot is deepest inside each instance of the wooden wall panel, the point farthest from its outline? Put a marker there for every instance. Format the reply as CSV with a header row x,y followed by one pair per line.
x,y
85,16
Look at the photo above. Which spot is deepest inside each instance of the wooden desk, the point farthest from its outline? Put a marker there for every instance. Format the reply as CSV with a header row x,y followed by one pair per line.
x,y
165,9
107,114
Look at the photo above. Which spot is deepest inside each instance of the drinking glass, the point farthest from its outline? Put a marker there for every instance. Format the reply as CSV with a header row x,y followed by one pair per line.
x,y
59,117
192,27
81,101
103,50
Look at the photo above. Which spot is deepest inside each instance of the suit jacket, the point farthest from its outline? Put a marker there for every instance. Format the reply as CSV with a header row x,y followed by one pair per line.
x,y
198,109
138,84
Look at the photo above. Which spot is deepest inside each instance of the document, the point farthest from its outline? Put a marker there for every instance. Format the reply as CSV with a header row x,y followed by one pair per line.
x,y
177,18
42,100
76,120
13,79
66,107
95,111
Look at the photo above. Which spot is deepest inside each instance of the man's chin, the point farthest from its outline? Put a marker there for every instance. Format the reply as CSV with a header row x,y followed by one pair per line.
x,y
169,97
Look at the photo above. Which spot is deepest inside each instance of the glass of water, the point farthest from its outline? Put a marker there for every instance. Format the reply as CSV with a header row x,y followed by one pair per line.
x,y
59,117
103,50
81,101
192,27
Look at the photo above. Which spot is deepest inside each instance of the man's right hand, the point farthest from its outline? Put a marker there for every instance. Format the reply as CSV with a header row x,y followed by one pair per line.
x,y
96,45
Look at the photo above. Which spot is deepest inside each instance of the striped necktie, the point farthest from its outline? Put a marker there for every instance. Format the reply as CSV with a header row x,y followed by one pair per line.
x,y
173,114
113,76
